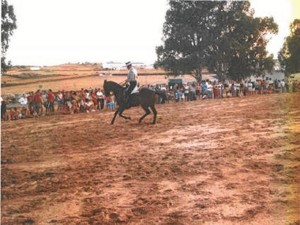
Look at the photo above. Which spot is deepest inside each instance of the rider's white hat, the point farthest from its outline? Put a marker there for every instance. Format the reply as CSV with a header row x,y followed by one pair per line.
x,y
128,63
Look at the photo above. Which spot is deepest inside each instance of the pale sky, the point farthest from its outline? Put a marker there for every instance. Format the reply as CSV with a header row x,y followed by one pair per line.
x,y
52,32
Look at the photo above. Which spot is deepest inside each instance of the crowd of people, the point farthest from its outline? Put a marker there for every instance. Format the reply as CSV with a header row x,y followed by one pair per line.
x,y
35,104
39,103
214,89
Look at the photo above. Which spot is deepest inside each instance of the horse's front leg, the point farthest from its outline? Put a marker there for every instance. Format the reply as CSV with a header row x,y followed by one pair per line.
x,y
113,120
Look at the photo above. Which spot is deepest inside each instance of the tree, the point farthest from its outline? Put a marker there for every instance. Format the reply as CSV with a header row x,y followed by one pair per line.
x,y
249,56
289,55
188,34
8,25
220,35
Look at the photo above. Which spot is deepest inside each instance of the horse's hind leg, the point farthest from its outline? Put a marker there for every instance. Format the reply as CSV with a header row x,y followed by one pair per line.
x,y
125,117
121,110
154,113
147,112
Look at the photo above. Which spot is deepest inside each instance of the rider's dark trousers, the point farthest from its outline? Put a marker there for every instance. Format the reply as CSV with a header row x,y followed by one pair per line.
x,y
132,84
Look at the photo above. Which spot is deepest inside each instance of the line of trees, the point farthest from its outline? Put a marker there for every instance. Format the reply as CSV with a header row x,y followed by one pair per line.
x,y
8,25
222,36
289,55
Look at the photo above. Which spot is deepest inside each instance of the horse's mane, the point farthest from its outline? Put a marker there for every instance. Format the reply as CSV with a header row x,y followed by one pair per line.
x,y
116,88
114,84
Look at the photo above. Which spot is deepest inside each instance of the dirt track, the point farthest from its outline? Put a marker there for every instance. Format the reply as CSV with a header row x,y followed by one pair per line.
x,y
227,161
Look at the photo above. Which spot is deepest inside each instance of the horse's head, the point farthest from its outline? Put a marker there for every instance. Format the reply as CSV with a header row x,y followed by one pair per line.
x,y
112,87
106,88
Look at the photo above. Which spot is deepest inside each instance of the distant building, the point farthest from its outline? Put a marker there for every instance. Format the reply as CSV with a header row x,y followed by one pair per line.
x,y
139,65
113,65
35,68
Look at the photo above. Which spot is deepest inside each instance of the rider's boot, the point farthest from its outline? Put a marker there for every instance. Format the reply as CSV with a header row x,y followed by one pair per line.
x,y
127,100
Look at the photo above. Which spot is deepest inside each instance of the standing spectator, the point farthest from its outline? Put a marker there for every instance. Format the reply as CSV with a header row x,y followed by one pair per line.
x,y
232,89
44,100
100,99
94,98
3,109
30,103
50,102
204,89
110,102
221,89
60,101
250,88
283,86
216,91
186,92
244,85
68,102
163,94
198,90
38,101
278,86
75,103
23,100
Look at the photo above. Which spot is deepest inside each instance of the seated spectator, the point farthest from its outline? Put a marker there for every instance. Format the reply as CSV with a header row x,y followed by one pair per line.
x,y
24,113
13,114
89,105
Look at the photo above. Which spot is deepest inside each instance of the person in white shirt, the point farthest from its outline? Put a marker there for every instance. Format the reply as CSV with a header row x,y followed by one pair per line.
x,y
282,86
100,99
23,100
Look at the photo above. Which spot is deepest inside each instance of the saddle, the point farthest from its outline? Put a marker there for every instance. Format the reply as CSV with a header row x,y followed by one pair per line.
x,y
127,99
134,91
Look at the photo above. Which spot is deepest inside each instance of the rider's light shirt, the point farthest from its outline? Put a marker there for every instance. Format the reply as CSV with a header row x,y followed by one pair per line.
x,y
132,74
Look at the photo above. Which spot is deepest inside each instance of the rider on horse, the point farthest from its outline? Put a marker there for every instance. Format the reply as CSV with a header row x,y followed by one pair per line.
x,y
131,79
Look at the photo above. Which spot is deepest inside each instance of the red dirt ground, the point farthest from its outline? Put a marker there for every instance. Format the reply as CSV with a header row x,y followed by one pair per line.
x,y
225,161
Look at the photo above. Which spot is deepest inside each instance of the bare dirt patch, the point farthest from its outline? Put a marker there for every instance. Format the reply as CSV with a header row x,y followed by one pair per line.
x,y
226,161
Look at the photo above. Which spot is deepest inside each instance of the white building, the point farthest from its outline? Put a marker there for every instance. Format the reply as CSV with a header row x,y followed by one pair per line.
x,y
113,65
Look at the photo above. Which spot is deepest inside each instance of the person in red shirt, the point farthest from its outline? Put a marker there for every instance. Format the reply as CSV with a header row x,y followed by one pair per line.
x,y
50,102
38,101
30,103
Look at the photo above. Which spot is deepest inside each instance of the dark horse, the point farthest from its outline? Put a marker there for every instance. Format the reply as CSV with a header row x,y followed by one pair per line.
x,y
145,97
